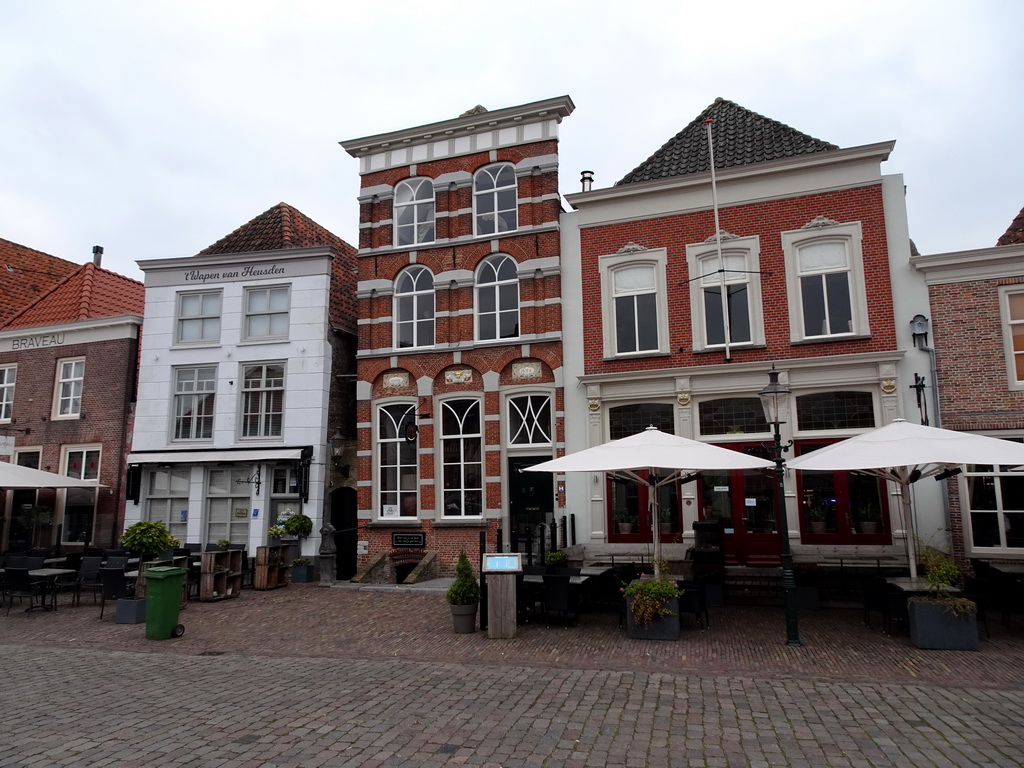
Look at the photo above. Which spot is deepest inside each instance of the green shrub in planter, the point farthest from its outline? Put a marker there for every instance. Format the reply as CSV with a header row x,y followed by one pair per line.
x,y
147,539
298,525
556,559
464,590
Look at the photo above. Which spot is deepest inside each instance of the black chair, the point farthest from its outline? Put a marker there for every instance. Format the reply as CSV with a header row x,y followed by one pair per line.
x,y
194,547
694,600
35,562
876,593
69,581
89,577
114,586
897,611
17,561
21,585
558,598
979,591
116,553
212,548
119,561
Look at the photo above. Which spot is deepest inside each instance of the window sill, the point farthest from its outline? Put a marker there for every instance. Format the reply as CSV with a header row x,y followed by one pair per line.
x,y
833,339
634,356
394,522
267,340
473,522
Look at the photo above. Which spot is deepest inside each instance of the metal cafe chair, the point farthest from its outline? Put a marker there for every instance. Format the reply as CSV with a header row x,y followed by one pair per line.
x,y
114,586
21,585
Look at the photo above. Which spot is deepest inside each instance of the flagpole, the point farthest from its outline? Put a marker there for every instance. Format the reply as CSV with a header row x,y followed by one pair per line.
x,y
718,243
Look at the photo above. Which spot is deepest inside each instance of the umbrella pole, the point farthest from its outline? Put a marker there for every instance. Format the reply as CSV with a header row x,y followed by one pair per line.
x,y
909,528
656,531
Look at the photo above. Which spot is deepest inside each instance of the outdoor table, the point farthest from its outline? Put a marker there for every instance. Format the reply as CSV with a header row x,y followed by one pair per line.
x,y
50,575
1008,569
916,586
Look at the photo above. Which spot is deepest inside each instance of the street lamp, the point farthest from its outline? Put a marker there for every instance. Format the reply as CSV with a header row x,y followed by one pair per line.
x,y
775,400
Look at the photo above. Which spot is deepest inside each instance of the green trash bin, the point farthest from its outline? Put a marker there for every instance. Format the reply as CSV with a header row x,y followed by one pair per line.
x,y
163,601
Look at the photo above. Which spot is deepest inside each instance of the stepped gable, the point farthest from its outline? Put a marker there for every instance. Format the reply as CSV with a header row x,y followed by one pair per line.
x,y
284,227
90,293
25,274
740,137
1015,234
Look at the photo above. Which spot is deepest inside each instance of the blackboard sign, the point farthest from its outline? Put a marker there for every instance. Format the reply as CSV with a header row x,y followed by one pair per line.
x,y
416,539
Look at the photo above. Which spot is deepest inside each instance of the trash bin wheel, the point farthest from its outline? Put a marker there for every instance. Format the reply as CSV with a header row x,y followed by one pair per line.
x,y
178,631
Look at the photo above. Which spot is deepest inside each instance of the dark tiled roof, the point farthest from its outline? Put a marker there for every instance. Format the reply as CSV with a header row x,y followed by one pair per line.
x,y
1015,234
26,273
279,228
284,227
740,137
91,292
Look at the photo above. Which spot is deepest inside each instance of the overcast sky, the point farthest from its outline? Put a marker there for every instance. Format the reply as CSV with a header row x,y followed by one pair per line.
x,y
155,128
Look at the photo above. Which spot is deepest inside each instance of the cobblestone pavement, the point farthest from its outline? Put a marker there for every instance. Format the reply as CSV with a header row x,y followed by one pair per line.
x,y
335,677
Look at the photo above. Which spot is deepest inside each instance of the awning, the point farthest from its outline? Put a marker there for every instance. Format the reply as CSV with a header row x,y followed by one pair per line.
x,y
203,457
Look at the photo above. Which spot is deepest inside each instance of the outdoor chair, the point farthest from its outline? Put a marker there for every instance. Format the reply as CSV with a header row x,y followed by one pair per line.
x,y
114,586
17,561
694,600
119,561
35,562
21,585
89,577
875,599
108,553
977,590
558,598
897,611
69,581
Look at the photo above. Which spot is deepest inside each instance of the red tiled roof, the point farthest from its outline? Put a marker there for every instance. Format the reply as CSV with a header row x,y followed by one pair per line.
x,y
1015,234
91,292
25,274
283,227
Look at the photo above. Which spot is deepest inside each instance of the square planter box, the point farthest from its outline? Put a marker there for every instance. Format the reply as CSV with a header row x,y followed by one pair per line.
x,y
131,610
660,628
301,574
934,628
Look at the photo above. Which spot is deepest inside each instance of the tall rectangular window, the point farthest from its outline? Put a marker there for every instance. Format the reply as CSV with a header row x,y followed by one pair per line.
x,y
397,469
825,289
198,317
414,212
68,392
1013,334
636,309
8,373
194,390
462,458
167,501
80,503
266,312
228,505
725,292
263,400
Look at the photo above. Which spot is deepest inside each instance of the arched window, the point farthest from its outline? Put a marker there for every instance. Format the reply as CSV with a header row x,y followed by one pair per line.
x,y
494,199
462,458
414,308
497,299
397,448
414,212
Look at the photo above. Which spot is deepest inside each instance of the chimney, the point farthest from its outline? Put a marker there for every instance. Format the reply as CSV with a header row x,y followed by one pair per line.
x,y
587,180
97,254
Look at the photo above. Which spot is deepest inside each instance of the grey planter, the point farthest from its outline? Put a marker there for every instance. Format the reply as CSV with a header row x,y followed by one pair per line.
x,y
301,574
934,628
464,618
131,610
660,628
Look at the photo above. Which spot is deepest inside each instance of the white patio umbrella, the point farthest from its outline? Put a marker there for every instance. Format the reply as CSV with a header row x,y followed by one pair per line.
x,y
15,476
654,451
905,453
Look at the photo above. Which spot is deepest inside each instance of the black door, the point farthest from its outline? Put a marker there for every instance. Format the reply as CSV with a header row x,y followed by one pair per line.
x,y
531,499
345,520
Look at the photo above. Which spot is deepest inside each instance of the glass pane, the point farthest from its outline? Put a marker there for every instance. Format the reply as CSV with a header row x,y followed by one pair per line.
x,y
488,327
486,297
257,301
982,493
626,420
211,304
732,416
647,317
425,307
630,279
279,299
985,529
713,325
739,314
1014,529
509,324
840,315
813,301
818,505
625,325
259,325
508,296
189,330
865,503
835,410
278,325
822,256
1015,301
191,305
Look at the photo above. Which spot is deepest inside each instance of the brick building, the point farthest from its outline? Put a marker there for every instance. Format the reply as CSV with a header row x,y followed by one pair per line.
x,y
246,359
977,316
809,272
67,384
460,346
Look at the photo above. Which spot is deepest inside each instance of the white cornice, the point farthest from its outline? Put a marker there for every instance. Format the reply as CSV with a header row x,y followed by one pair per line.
x,y
999,261
206,260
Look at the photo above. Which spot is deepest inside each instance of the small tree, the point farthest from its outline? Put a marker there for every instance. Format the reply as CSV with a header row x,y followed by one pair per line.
x,y
147,539
298,525
464,590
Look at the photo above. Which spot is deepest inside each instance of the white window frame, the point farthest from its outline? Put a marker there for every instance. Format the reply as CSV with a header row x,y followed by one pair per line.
x,y
8,381
608,265
265,411
850,236
171,500
702,260
495,263
415,196
66,453
415,277
460,492
269,312
1010,325
204,318
394,502
963,486
223,523
530,428
195,395
68,388
492,171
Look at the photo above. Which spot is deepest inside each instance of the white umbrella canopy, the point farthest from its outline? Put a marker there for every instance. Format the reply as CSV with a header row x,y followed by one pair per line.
x,y
904,453
14,476
654,451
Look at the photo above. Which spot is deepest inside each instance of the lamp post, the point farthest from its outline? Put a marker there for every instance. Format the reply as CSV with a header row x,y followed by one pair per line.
x,y
775,400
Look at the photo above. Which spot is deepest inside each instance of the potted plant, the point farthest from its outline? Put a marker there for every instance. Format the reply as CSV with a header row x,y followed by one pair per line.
x,y
940,620
463,596
146,539
652,608
298,525
224,544
624,525
274,534
556,559
301,570
816,516
869,518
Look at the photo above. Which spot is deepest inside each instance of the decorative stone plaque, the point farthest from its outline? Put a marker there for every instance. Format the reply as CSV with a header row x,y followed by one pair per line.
x,y
461,376
526,370
397,380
